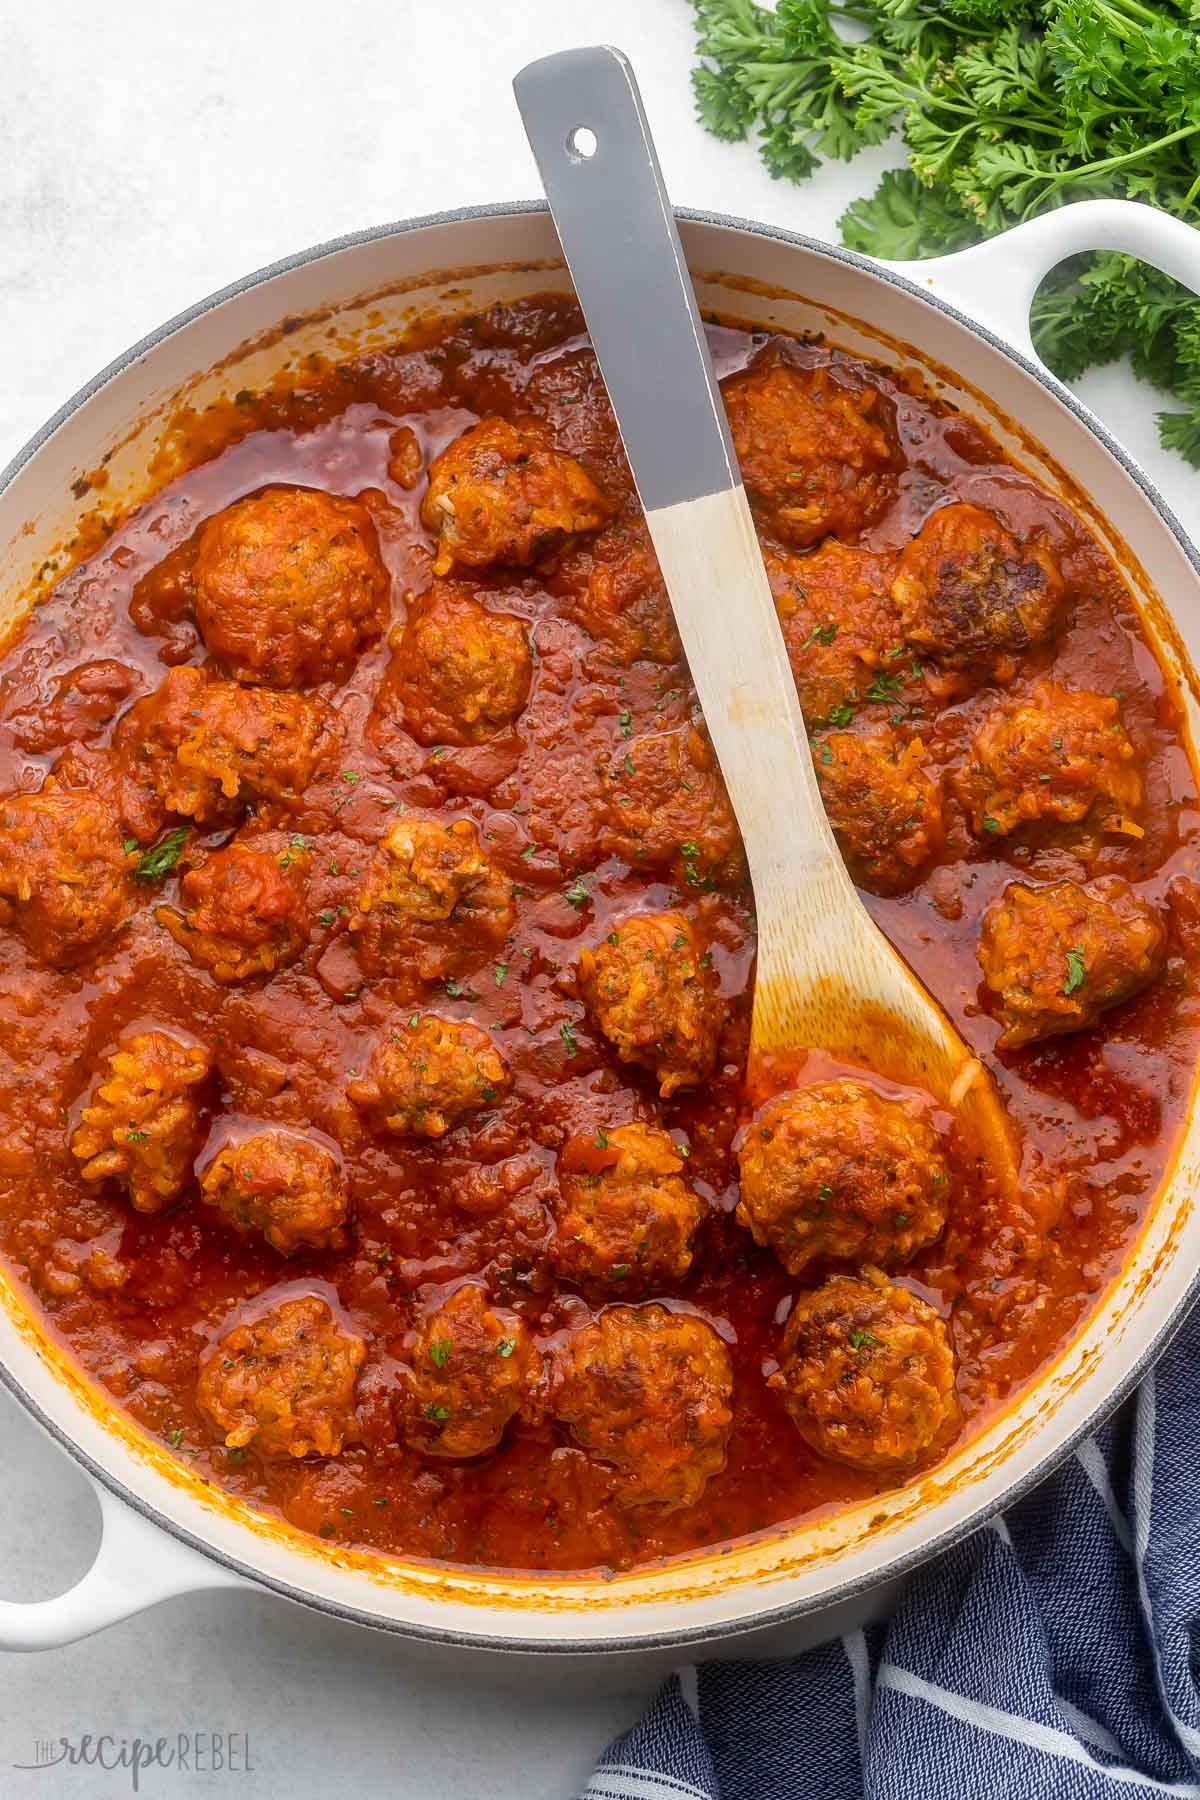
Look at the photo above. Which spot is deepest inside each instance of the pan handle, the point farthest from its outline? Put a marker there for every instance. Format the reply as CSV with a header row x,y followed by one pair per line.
x,y
136,1566
995,282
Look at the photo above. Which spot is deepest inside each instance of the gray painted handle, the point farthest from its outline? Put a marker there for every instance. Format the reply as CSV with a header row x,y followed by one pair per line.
x,y
618,235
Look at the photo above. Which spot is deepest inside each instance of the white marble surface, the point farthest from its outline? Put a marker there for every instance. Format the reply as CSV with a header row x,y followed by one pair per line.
x,y
149,153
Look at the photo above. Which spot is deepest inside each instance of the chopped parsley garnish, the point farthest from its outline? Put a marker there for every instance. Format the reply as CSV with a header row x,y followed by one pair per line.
x,y
567,1033
883,687
619,1269
990,824
505,1347
1076,971
861,1340
435,1412
841,714
577,893
601,1138
625,721
327,916
499,971
129,845
439,1352
154,864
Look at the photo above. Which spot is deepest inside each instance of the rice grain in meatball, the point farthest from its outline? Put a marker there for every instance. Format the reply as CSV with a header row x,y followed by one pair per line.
x,y
501,493
973,596
428,1074
626,1219
648,1392
142,1125
1058,956
816,450
290,586
652,992
283,1381
283,1185
472,1369
867,1372
836,1170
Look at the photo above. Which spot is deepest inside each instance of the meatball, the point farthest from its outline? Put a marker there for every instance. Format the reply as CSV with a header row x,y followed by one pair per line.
x,y
614,588
885,811
65,877
816,451
472,1368
285,1185
142,1125
653,994
1058,956
423,875
839,626
648,1392
625,1218
208,749
1059,756
289,586
461,672
867,1373
972,596
501,493
835,1170
429,1074
665,803
244,912
283,1381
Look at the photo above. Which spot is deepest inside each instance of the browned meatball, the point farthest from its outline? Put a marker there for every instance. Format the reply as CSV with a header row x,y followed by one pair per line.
x,y
208,749
1060,755
1058,956
835,1170
974,597
501,493
665,804
429,1074
816,451
142,1125
867,1373
244,911
461,672
839,626
614,588
648,1391
423,875
283,1184
284,1380
625,1218
290,586
884,809
472,1368
65,875
651,990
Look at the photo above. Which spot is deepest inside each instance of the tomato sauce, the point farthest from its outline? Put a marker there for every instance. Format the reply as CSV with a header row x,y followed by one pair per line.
x,y
136,1299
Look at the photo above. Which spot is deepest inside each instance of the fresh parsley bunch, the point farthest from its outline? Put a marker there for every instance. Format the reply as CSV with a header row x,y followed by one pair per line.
x,y
1007,108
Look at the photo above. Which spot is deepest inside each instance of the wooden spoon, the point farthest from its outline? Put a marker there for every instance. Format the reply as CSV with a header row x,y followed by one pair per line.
x,y
827,978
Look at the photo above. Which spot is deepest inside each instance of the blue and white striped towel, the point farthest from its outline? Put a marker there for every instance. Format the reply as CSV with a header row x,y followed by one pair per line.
x,y
1054,1653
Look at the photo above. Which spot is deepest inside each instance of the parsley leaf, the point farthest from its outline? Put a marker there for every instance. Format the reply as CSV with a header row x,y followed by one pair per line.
x,y
1076,971
155,864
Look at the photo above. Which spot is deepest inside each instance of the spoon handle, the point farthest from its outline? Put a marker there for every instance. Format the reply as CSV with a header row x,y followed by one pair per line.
x,y
584,118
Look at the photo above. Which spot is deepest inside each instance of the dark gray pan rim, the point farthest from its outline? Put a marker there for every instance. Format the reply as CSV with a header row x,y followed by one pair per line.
x,y
686,1635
